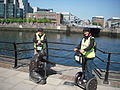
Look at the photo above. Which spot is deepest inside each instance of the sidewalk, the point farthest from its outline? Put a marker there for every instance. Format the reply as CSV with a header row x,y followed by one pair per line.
x,y
11,79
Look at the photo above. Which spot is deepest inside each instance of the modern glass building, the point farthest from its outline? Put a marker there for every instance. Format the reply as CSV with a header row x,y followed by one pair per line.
x,y
19,13
2,10
23,4
10,10
14,8
30,9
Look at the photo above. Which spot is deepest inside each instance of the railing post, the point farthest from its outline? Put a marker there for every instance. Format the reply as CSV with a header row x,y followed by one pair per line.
x,y
15,52
107,70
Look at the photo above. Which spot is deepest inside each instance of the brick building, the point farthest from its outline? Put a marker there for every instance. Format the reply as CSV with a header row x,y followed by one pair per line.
x,y
55,18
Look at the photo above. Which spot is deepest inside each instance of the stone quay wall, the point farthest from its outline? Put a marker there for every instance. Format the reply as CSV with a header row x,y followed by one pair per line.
x,y
111,30
51,27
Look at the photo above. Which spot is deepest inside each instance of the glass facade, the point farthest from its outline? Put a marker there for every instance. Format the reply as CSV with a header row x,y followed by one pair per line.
x,y
30,9
10,1
19,13
10,10
2,10
1,1
25,3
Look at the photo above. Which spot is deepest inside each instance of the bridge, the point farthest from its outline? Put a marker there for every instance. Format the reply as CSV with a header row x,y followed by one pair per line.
x,y
95,30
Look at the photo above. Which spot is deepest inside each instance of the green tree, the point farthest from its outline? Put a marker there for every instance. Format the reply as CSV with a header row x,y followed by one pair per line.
x,y
34,20
94,23
24,20
29,20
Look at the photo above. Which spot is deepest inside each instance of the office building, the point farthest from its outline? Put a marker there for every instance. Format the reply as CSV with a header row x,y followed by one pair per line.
x,y
30,9
37,9
14,8
113,22
25,5
2,9
55,18
68,18
114,19
99,20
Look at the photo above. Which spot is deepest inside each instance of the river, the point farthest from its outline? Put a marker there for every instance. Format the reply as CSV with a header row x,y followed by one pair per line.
x,y
105,43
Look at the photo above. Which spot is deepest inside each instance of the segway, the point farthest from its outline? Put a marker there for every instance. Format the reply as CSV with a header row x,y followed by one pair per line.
x,y
37,67
88,85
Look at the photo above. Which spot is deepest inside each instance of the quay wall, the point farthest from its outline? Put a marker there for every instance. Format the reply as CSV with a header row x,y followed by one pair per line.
x,y
110,30
51,28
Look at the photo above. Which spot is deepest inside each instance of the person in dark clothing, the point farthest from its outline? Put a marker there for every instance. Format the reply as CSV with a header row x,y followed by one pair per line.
x,y
87,49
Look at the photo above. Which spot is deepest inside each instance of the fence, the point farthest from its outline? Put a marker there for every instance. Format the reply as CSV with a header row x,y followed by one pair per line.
x,y
16,51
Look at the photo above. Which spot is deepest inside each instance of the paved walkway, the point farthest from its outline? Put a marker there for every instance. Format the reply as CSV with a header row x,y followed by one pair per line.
x,y
11,79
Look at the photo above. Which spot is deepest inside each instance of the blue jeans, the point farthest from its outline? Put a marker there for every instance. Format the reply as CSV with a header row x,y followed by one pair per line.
x,y
89,66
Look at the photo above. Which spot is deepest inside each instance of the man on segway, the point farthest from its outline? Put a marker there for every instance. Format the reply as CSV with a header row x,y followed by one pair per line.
x,y
37,67
40,41
87,50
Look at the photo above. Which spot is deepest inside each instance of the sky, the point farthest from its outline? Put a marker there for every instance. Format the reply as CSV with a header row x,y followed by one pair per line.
x,y
83,9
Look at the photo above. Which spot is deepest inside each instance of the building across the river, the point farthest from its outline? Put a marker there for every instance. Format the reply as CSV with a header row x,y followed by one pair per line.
x,y
14,8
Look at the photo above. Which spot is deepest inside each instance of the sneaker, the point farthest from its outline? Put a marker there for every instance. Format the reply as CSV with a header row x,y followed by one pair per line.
x,y
81,82
84,81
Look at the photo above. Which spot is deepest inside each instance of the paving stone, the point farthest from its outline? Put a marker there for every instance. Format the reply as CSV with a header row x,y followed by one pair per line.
x,y
54,81
10,79
105,88
23,86
13,80
5,86
8,73
22,75
45,87
66,87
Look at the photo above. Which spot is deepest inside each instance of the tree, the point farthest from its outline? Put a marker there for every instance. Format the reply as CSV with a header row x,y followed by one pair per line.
x,y
24,20
29,20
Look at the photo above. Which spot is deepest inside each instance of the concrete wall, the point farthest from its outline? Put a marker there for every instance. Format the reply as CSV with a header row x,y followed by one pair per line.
x,y
55,27
111,30
46,26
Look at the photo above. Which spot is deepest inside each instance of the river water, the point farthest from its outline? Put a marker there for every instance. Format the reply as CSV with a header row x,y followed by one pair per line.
x,y
105,43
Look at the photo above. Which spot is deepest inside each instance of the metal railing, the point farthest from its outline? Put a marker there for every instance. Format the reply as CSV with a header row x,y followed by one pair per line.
x,y
108,62
15,51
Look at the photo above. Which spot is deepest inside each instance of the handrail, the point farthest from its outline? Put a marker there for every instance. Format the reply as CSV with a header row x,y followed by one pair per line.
x,y
16,51
105,52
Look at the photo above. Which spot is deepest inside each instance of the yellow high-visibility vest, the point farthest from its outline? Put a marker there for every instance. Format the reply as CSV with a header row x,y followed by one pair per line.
x,y
85,44
40,39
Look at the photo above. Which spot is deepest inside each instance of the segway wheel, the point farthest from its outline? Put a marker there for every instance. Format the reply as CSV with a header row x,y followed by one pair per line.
x,y
91,84
78,77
